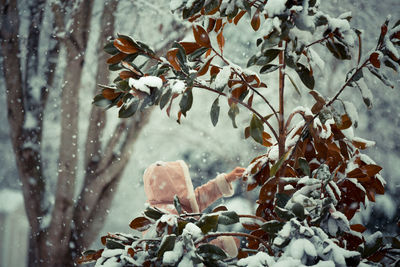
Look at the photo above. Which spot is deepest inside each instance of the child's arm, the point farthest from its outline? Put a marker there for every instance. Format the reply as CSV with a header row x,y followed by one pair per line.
x,y
216,188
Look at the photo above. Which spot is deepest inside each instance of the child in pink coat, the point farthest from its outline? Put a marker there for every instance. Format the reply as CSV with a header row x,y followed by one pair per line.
x,y
164,180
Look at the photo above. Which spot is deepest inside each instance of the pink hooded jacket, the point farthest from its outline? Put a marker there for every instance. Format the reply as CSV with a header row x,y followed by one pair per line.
x,y
164,180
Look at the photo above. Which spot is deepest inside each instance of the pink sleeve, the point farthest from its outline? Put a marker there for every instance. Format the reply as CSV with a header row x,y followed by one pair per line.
x,y
213,190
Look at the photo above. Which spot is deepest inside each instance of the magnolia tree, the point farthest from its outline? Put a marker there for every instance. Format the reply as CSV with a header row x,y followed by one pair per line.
x,y
313,177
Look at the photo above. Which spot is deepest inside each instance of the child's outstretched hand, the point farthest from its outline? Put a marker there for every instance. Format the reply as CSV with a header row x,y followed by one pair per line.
x,y
237,173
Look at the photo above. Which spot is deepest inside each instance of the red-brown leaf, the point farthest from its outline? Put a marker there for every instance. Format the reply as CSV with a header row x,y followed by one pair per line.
x,y
189,47
131,252
201,36
90,257
251,226
116,58
127,74
374,59
358,228
140,223
203,70
357,173
250,100
266,137
255,21
346,122
211,24
129,66
109,94
239,16
214,70
220,208
372,169
218,25
359,144
247,132
267,191
242,254
377,256
221,41
171,57
125,46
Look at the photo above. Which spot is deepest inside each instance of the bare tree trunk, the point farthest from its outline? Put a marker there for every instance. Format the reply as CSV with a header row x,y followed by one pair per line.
x,y
60,227
26,141
74,224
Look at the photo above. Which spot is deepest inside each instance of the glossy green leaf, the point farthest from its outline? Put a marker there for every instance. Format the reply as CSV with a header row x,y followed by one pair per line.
x,y
165,98
233,112
281,199
228,217
305,76
377,73
196,7
127,110
214,113
186,101
167,244
112,244
303,164
256,129
321,20
283,213
278,164
198,53
100,101
153,213
272,227
269,68
395,243
210,6
211,252
177,204
109,48
115,67
373,245
339,50
252,61
298,210
145,48
208,223
270,55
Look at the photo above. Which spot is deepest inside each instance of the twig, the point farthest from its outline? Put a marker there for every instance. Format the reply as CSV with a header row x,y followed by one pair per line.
x,y
318,41
249,85
305,127
236,234
240,216
198,85
252,217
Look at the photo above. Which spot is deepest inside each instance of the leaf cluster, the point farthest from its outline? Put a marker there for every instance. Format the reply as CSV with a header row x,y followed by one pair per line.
x,y
312,174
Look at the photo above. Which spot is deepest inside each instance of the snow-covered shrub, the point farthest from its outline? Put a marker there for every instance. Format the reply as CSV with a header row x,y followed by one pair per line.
x,y
313,176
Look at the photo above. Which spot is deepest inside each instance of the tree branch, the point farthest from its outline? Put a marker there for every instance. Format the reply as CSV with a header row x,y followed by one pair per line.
x,y
97,121
91,195
249,85
198,85
270,252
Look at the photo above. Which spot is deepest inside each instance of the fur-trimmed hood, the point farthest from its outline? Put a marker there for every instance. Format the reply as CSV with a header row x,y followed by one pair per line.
x,y
163,180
